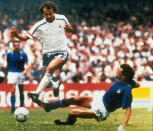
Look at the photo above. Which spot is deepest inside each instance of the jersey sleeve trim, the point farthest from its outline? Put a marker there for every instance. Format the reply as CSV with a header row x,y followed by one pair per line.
x,y
36,28
62,19
29,35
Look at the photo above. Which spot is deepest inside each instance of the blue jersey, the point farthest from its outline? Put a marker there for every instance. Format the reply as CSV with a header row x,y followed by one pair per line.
x,y
119,95
16,62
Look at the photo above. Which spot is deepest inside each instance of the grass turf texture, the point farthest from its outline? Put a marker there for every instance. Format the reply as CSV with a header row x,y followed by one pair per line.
x,y
141,120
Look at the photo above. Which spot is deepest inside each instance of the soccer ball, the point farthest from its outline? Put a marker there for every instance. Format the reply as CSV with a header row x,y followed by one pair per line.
x,y
21,114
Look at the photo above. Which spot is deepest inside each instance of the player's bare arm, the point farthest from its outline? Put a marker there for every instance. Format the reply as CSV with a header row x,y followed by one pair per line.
x,y
127,116
16,34
27,68
136,85
6,72
68,28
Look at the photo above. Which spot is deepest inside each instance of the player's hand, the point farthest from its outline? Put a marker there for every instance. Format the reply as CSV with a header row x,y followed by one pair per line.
x,y
120,128
14,31
68,28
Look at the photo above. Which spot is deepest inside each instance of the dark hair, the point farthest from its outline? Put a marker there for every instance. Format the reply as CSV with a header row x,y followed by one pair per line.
x,y
48,5
128,72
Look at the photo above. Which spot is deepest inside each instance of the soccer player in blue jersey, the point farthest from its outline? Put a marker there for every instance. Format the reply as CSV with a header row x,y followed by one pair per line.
x,y
17,67
100,106
51,31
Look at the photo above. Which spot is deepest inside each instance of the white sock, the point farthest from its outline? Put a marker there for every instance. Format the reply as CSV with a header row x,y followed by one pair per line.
x,y
55,84
43,83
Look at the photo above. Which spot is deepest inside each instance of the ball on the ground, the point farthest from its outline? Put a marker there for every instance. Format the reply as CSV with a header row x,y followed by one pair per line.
x,y
21,114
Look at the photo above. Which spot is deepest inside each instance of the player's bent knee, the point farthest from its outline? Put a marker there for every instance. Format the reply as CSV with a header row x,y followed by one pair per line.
x,y
74,99
75,112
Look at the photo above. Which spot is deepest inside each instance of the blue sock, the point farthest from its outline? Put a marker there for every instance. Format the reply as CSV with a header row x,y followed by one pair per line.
x,y
12,103
58,104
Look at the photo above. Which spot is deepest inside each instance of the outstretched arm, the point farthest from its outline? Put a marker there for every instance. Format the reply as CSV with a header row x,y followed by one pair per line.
x,y
27,68
136,85
15,33
127,116
126,119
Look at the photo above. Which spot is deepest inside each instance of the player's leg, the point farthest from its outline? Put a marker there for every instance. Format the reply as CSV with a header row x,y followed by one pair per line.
x,y
12,80
53,63
47,78
36,95
43,70
20,82
83,101
53,66
59,59
21,95
13,87
74,114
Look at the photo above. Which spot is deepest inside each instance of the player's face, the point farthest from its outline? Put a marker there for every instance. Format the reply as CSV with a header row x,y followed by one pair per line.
x,y
16,46
48,14
119,74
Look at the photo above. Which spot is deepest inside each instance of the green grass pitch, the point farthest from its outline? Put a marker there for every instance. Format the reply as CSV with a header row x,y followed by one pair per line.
x,y
39,120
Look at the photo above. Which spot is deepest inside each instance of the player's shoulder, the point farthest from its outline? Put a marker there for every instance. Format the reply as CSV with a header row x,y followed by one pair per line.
x,y
9,52
22,52
41,22
59,16
126,88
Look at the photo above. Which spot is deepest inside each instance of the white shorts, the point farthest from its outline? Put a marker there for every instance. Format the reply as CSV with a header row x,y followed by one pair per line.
x,y
98,107
15,78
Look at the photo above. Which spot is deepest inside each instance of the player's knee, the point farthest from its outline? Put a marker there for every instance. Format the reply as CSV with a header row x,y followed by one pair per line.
x,y
74,112
74,99
12,91
50,70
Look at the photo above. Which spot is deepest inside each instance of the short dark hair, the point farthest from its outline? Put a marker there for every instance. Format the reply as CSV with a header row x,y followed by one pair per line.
x,y
128,71
48,5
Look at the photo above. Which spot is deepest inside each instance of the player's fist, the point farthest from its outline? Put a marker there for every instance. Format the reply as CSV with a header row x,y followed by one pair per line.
x,y
120,128
14,31
68,27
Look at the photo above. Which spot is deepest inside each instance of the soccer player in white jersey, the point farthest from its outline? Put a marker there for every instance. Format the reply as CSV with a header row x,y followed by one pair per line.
x,y
51,31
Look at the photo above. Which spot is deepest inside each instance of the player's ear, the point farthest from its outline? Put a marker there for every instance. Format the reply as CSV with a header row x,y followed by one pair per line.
x,y
43,14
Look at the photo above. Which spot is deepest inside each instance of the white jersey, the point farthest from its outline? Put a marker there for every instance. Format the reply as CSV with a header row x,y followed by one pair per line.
x,y
51,34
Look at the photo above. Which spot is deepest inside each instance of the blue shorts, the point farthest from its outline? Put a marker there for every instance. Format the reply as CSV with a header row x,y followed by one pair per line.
x,y
48,57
